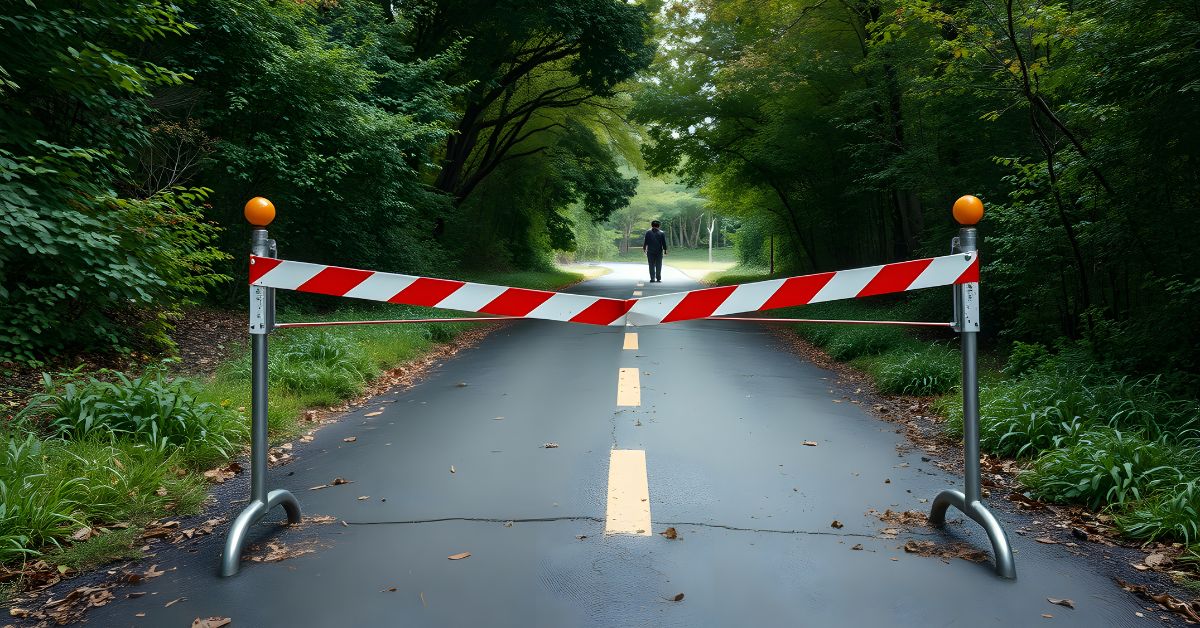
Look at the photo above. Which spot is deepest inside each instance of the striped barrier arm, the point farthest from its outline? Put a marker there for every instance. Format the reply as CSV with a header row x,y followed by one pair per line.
x,y
959,268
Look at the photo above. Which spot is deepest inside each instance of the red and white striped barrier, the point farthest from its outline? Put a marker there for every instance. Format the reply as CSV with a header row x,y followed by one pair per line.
x,y
959,268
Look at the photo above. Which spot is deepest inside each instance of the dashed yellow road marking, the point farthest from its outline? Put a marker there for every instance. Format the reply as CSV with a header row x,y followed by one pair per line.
x,y
637,293
631,343
628,493
629,388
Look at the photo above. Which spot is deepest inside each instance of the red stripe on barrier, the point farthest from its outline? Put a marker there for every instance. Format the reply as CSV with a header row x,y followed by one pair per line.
x,y
603,312
260,266
699,303
426,291
797,290
335,281
894,277
516,302
971,274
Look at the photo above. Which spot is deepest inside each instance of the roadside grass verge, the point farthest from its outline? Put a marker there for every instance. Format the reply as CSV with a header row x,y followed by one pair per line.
x,y
97,456
1085,434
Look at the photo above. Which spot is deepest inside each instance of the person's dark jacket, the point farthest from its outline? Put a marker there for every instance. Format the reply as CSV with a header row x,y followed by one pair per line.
x,y
655,242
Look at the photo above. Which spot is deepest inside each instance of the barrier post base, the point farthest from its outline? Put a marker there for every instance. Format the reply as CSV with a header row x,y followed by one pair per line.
x,y
1005,564
253,513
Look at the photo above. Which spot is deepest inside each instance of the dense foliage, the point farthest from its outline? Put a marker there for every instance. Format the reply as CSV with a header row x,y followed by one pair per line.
x,y
417,137
848,128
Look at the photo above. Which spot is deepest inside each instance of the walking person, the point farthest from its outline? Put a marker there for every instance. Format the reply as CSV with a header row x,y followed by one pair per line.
x,y
655,247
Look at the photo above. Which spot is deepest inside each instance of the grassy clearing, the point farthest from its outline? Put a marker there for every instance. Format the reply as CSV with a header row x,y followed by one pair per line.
x,y
112,452
1087,434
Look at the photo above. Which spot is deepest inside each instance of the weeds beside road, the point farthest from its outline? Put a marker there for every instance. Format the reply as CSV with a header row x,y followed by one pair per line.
x,y
97,456
1081,432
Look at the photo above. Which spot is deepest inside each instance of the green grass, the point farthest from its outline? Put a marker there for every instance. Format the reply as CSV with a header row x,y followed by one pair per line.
x,y
124,449
1104,467
98,550
1171,515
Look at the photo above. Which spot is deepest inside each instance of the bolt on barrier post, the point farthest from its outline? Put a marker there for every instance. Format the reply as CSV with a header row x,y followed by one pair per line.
x,y
259,212
968,211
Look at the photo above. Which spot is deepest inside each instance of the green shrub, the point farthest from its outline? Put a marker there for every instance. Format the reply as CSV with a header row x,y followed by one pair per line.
x,y
848,343
318,362
1104,467
1025,357
49,489
933,370
152,408
1172,515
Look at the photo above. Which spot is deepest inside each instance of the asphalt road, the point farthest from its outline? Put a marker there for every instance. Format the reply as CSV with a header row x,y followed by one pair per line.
x,y
724,410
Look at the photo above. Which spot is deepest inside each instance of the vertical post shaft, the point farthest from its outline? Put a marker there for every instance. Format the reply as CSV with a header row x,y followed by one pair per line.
x,y
968,243
261,246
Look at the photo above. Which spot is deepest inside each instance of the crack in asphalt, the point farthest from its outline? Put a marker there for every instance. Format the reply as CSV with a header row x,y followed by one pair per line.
x,y
593,519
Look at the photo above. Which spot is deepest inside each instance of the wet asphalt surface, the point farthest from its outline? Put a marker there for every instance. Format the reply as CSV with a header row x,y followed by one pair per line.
x,y
725,410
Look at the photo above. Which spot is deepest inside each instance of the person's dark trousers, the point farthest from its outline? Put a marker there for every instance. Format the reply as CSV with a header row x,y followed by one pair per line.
x,y
655,260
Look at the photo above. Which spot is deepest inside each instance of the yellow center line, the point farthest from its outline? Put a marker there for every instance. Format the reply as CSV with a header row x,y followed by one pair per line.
x,y
637,293
628,493
629,388
631,342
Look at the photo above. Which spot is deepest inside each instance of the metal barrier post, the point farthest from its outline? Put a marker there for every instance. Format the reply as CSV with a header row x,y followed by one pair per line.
x,y
968,211
259,212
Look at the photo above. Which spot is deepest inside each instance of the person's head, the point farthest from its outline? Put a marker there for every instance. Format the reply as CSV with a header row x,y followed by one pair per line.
x,y
654,224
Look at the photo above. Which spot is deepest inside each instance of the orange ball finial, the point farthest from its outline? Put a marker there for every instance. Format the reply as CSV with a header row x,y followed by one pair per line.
x,y
968,210
259,212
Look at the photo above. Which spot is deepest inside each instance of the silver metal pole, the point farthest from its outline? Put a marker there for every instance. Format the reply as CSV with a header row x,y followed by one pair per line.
x,y
262,320
966,318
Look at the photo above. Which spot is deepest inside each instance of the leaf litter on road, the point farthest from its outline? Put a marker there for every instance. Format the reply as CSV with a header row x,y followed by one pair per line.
x,y
336,482
459,556
211,622
670,533
1061,602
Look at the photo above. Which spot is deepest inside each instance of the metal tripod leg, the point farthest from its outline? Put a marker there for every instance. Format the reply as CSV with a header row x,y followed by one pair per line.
x,y
1006,566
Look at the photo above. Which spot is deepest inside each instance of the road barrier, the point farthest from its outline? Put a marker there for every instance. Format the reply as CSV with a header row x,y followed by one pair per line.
x,y
959,269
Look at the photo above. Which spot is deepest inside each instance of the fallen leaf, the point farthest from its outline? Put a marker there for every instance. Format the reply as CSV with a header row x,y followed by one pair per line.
x,y
373,414
82,534
809,443
363,497
857,546
174,601
349,439
837,524
1063,602
678,597
459,556
389,590
670,533
339,481
1046,540
1158,560
211,622
550,446
1047,615
161,491
1189,610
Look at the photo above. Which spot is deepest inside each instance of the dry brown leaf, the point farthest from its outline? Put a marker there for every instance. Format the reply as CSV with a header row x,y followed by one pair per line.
x,y
1189,610
349,439
550,446
451,468
837,524
459,556
1061,602
809,443
678,597
174,601
670,533
857,546
161,491
83,534
1046,540
1047,615
1158,560
363,497
376,413
211,622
